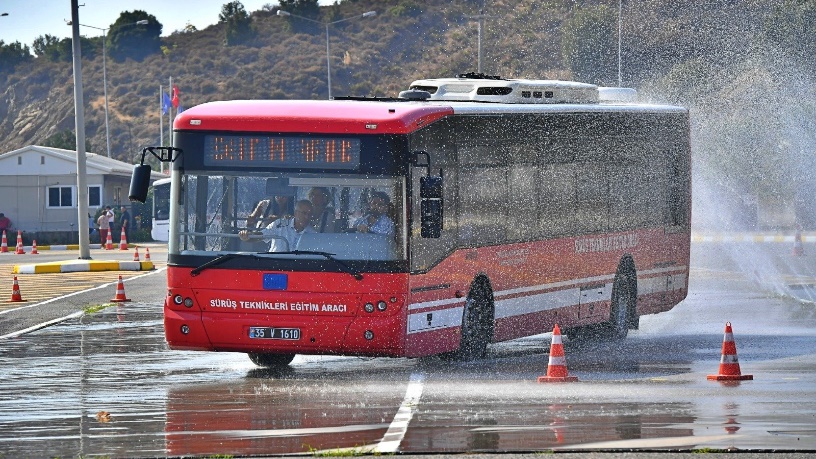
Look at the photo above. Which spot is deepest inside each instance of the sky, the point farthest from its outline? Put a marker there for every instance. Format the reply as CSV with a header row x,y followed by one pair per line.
x,y
29,19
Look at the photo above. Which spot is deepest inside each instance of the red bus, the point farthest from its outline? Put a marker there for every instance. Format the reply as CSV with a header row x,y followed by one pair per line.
x,y
504,206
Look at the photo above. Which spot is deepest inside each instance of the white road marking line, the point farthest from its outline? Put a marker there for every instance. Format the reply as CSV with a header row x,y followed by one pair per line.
x,y
396,431
70,316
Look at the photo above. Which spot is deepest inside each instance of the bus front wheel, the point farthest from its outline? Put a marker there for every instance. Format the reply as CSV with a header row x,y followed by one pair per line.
x,y
477,322
271,360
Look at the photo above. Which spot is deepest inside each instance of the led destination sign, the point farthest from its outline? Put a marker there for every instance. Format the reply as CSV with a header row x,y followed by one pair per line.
x,y
276,151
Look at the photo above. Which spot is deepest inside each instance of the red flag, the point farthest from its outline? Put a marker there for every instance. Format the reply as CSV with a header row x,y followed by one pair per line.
x,y
175,99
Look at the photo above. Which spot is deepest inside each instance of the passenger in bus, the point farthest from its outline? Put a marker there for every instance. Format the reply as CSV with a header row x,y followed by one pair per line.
x,y
269,210
322,214
376,221
285,232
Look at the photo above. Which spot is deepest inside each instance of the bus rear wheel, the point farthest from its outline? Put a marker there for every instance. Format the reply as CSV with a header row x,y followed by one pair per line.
x,y
477,322
271,360
623,313
624,297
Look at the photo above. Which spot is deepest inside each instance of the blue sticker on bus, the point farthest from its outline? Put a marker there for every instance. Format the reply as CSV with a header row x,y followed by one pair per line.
x,y
275,281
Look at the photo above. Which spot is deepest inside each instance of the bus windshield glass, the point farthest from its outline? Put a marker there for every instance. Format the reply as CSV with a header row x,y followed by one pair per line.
x,y
292,215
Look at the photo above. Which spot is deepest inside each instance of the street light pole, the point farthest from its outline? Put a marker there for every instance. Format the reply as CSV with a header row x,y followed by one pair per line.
x,y
105,90
480,18
327,24
105,74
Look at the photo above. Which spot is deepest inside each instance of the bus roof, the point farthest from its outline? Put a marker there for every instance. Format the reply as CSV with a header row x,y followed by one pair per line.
x,y
366,116
327,116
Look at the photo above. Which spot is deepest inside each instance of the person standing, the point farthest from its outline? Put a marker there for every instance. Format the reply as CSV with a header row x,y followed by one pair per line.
x,y
322,213
104,226
125,221
5,222
269,210
111,218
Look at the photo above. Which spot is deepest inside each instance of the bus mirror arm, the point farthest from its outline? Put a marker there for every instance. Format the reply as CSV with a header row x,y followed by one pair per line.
x,y
165,154
415,160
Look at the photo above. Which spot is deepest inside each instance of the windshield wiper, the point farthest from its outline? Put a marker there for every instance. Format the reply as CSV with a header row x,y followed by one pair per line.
x,y
228,256
218,261
329,256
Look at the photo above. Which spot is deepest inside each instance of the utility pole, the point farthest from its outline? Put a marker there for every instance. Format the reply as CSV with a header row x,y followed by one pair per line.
x,y
79,113
480,18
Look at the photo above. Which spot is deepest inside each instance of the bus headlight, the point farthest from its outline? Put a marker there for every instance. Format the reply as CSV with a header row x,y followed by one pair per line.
x,y
368,307
369,335
185,330
188,302
177,299
381,305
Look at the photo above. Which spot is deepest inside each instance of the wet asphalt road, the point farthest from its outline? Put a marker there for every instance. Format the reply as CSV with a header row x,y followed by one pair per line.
x,y
105,383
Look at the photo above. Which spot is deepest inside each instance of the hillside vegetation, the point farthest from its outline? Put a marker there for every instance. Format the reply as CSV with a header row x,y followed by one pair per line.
x,y
743,68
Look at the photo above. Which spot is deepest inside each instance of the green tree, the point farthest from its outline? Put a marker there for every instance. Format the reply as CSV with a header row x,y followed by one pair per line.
x,y
44,44
126,39
56,50
589,45
238,25
65,139
13,54
307,8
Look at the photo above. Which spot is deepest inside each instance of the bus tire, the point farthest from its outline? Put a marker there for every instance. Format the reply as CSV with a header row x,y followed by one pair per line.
x,y
271,360
623,311
477,321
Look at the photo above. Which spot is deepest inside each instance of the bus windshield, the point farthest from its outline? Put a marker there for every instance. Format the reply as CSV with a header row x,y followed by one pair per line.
x,y
349,216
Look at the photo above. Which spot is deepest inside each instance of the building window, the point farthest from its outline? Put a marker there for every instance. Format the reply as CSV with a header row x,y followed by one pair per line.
x,y
19,160
60,196
117,193
94,196
42,159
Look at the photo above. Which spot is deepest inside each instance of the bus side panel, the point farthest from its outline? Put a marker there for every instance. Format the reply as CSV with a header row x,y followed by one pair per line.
x,y
535,285
661,293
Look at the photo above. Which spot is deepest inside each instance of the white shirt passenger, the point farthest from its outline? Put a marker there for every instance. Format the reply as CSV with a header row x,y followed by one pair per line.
x,y
284,229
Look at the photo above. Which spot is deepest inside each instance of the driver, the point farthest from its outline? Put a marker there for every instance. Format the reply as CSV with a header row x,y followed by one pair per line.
x,y
289,229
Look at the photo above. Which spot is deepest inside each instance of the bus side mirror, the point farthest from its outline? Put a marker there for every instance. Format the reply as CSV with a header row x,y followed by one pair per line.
x,y
430,193
139,183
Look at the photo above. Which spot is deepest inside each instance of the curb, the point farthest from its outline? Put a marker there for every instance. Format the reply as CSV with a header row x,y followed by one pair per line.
x,y
82,265
27,248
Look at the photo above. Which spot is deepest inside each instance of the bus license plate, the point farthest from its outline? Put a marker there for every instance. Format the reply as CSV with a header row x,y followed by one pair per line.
x,y
274,333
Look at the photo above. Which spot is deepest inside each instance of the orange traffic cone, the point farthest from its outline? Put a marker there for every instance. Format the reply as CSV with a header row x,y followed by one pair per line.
x,y
15,292
136,255
20,250
120,292
34,247
729,365
557,365
109,242
147,253
4,245
123,245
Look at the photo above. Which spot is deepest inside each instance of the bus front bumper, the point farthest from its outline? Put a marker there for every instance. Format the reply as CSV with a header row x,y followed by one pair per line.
x,y
211,331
